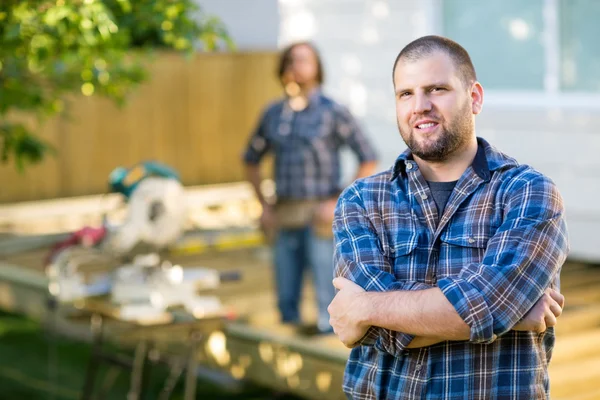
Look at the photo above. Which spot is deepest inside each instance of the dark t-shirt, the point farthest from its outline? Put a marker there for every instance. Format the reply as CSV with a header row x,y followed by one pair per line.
x,y
441,192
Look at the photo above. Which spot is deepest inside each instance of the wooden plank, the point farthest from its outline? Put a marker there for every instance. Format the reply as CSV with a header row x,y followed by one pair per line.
x,y
170,121
578,319
577,377
79,144
580,278
593,394
299,371
205,106
576,346
582,296
37,181
21,276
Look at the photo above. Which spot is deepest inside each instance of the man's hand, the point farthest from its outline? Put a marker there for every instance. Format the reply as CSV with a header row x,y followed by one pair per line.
x,y
543,314
347,313
323,218
268,222
325,211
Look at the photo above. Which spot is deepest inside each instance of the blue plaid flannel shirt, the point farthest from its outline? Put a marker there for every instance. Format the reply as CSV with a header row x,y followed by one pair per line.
x,y
306,146
500,242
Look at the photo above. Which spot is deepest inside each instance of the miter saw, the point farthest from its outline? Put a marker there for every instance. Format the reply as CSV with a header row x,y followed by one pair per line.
x,y
140,284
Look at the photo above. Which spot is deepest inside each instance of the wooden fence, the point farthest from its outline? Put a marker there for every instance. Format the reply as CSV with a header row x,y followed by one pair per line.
x,y
194,115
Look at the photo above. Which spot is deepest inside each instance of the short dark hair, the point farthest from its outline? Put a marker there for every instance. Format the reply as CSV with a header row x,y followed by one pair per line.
x,y
286,58
427,45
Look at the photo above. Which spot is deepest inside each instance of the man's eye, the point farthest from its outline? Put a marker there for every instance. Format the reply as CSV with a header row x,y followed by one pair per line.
x,y
438,89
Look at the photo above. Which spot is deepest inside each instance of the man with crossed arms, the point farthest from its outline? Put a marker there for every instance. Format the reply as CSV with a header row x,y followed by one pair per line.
x,y
447,264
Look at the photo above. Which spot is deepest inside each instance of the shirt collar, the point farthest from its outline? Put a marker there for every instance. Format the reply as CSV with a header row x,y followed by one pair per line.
x,y
487,159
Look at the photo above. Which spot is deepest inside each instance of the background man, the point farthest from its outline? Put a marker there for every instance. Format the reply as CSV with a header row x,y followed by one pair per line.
x,y
305,131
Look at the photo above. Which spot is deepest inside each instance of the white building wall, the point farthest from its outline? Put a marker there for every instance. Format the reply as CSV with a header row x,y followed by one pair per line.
x,y
564,144
252,24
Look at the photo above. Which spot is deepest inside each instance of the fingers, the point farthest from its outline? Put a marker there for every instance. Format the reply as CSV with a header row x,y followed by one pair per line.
x,y
556,309
540,327
556,296
339,283
554,305
550,321
343,283
330,310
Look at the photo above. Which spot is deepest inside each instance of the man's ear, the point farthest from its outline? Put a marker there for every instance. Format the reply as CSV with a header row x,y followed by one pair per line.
x,y
476,98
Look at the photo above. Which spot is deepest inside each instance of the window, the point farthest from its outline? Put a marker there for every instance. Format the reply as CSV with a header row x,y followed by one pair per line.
x,y
536,46
504,39
579,45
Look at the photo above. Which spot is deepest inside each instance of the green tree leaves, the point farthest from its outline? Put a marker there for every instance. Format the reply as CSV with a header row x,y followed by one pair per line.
x,y
49,49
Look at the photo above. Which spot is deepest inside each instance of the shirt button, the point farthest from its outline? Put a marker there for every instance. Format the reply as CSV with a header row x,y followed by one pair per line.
x,y
409,166
423,196
471,240
418,367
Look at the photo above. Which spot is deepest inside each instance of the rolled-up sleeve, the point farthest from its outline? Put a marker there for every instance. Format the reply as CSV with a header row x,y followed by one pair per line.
x,y
351,134
521,261
259,144
359,257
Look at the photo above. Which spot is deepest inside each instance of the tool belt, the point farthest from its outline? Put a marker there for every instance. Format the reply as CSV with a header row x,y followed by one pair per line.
x,y
291,214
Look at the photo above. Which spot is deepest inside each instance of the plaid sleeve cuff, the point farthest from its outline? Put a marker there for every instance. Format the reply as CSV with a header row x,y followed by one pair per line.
x,y
370,337
393,343
251,159
251,155
472,308
387,341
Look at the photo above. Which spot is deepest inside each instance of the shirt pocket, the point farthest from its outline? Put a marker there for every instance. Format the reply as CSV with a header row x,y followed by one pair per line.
x,y
473,239
458,249
315,125
403,243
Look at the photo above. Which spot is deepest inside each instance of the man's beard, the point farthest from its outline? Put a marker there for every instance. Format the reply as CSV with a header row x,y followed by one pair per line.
x,y
449,141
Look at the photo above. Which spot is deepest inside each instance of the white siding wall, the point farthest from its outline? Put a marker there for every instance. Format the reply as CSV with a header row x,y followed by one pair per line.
x,y
565,145
253,24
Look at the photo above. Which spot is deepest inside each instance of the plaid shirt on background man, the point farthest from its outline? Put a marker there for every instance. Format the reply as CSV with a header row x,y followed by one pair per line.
x,y
500,242
306,146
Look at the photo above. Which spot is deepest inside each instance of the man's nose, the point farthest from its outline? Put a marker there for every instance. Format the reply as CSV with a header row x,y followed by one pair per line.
x,y
422,104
